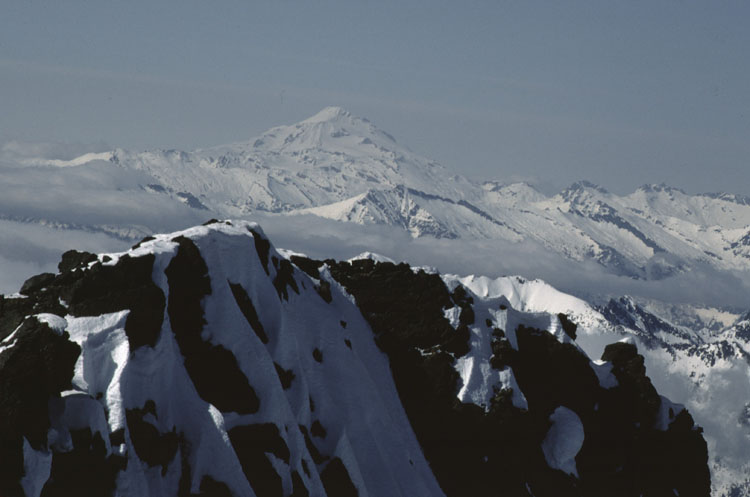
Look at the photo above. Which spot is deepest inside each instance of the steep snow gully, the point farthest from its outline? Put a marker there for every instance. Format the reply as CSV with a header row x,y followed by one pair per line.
x,y
205,362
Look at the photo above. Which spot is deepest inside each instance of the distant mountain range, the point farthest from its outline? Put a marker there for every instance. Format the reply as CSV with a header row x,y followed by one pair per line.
x,y
341,167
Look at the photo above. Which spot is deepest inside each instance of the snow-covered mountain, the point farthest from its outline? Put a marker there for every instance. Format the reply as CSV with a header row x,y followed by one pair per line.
x,y
326,158
337,169
338,166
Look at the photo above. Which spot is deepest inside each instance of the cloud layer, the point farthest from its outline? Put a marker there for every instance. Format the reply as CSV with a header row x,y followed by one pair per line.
x,y
24,248
323,238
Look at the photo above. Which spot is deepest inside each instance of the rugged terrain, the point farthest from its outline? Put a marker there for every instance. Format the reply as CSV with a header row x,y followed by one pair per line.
x,y
206,362
682,259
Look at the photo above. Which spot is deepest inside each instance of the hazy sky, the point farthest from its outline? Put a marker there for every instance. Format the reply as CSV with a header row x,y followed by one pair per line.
x,y
620,93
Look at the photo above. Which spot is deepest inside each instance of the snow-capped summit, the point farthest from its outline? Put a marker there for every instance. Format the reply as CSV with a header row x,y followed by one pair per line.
x,y
331,128
582,186
660,188
328,114
326,158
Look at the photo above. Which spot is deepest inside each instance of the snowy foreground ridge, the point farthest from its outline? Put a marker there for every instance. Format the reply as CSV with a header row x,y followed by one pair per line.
x,y
205,362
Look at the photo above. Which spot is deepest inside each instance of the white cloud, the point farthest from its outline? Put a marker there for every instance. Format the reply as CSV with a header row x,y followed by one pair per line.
x,y
322,238
29,247
15,153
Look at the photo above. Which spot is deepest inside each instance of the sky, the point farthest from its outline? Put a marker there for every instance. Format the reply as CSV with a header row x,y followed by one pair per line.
x,y
617,93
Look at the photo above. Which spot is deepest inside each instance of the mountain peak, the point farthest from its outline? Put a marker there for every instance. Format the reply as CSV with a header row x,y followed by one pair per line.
x,y
585,185
581,192
728,197
661,187
328,114
332,130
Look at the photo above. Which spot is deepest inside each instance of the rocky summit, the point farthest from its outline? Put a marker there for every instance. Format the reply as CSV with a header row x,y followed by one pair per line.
x,y
207,362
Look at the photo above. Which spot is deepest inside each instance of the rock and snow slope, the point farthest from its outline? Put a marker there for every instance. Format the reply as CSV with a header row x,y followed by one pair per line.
x,y
707,371
207,366
204,362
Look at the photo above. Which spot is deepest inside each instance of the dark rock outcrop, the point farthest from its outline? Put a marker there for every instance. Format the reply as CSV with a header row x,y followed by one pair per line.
x,y
471,449
473,452
34,370
212,368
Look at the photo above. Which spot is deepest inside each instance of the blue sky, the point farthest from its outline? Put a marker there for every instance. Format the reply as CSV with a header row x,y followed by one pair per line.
x,y
619,93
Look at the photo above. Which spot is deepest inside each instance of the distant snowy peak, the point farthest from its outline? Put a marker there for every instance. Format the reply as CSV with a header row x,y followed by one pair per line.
x,y
729,197
660,188
333,127
324,159
394,207
584,199
513,194
330,114
337,118
339,166
581,188
673,207
418,212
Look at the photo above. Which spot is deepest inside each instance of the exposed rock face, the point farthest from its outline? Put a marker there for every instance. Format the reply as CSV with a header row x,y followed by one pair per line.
x,y
625,452
206,363
36,366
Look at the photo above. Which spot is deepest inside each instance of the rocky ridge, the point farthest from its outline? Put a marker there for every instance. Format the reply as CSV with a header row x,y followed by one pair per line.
x,y
204,362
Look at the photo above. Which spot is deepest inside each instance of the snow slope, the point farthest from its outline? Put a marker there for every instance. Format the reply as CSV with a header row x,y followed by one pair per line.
x,y
338,398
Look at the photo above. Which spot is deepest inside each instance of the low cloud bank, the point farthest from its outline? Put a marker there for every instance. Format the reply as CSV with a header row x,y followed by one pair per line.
x,y
322,238
29,249
25,247
17,153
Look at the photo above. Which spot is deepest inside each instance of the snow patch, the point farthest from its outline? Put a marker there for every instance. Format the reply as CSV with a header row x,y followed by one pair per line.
x,y
55,322
603,370
104,356
563,440
36,468
287,254
372,256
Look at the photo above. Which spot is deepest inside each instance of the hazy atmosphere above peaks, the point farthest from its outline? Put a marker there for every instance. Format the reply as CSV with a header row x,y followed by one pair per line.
x,y
620,94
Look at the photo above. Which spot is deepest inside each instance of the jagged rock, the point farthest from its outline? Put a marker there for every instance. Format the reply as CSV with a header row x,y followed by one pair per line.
x,y
119,394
